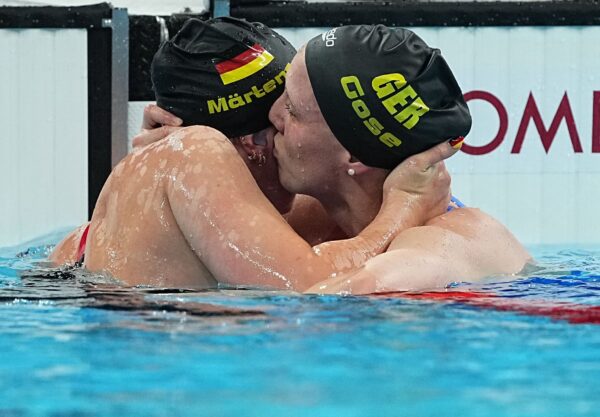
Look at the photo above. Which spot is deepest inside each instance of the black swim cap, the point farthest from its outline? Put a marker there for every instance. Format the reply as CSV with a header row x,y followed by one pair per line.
x,y
384,93
224,73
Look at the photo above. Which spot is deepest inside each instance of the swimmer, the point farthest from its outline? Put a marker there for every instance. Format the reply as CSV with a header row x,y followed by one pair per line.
x,y
203,206
358,100
375,95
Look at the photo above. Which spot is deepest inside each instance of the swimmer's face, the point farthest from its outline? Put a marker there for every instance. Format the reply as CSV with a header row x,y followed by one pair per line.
x,y
266,174
308,154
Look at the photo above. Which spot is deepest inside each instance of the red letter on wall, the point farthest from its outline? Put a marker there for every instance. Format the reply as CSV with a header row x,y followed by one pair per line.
x,y
531,112
502,116
596,123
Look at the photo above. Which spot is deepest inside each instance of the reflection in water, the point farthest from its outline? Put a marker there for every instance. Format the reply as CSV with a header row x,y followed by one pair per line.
x,y
77,288
550,288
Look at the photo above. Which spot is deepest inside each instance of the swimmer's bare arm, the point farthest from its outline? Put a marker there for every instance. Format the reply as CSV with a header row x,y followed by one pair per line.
x,y
463,245
243,240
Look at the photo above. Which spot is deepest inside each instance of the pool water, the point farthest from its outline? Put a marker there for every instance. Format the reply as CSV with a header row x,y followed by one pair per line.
x,y
76,345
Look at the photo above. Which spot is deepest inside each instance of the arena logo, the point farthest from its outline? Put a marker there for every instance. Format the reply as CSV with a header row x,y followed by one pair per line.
x,y
531,114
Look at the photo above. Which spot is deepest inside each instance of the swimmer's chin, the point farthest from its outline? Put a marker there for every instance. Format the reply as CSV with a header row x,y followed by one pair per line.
x,y
278,195
282,200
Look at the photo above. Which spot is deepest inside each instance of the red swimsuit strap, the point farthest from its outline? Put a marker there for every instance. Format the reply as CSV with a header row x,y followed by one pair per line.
x,y
82,244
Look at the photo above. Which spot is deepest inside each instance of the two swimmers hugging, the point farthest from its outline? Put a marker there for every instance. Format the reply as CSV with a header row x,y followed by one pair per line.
x,y
291,188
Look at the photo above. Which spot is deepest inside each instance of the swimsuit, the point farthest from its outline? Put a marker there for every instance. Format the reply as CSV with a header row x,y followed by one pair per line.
x,y
81,248
456,202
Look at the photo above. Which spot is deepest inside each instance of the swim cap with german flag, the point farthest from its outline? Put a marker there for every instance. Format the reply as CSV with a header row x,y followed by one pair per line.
x,y
224,73
384,93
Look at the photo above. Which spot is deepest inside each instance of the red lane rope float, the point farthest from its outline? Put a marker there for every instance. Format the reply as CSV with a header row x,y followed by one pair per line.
x,y
570,312
443,295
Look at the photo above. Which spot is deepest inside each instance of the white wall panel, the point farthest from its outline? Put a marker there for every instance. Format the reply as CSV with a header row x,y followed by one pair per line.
x,y
43,151
544,197
9,139
134,119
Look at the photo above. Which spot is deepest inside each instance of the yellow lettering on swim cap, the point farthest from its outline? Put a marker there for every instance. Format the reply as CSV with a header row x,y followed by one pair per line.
x,y
361,109
236,100
353,90
382,84
349,80
390,140
374,126
218,106
411,114
399,98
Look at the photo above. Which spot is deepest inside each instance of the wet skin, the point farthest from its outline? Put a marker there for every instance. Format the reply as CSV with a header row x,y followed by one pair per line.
x,y
202,218
186,212
465,244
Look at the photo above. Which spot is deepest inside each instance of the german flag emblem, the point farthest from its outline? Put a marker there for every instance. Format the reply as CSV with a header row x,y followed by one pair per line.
x,y
244,65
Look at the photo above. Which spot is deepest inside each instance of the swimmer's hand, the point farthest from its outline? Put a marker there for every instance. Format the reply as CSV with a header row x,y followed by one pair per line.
x,y
422,183
156,125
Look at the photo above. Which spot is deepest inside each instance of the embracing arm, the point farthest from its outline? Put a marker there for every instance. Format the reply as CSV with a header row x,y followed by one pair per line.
x,y
463,245
240,236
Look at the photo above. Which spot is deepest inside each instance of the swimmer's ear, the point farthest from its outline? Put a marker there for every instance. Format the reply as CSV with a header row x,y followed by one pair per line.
x,y
254,143
247,145
357,168
260,138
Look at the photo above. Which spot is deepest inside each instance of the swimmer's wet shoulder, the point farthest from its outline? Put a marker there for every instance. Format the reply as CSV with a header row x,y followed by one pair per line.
x,y
134,235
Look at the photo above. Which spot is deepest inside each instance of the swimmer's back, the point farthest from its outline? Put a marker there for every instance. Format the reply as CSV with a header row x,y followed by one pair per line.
x,y
134,235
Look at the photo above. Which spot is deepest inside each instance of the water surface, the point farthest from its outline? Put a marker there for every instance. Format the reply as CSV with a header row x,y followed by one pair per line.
x,y
77,345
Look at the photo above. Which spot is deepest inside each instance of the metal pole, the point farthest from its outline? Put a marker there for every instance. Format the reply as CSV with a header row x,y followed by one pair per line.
x,y
120,83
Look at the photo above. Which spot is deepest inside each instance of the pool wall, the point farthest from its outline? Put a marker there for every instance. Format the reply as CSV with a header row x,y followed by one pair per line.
x,y
63,108
43,146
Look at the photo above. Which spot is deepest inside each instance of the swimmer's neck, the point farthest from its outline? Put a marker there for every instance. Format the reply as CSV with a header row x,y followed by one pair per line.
x,y
354,205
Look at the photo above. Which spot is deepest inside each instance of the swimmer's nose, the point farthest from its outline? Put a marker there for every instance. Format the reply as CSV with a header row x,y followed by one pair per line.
x,y
276,114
